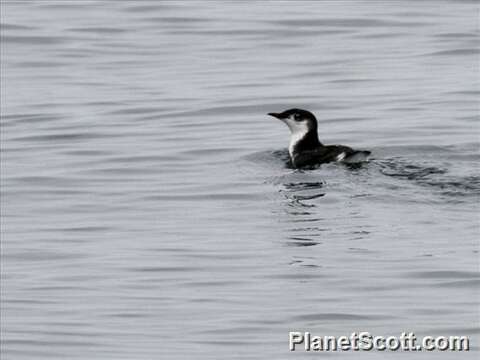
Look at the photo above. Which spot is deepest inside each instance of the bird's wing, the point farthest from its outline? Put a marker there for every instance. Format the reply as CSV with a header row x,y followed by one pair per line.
x,y
321,155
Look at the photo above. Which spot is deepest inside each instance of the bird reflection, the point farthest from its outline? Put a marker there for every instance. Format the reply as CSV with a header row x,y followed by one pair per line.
x,y
299,206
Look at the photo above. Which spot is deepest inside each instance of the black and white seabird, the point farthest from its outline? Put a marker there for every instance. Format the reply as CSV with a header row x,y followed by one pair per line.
x,y
305,149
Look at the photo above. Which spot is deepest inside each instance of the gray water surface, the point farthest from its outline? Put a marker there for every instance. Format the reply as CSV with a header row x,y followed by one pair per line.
x,y
148,209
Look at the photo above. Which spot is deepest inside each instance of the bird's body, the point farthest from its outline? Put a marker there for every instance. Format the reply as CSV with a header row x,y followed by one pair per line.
x,y
326,154
306,150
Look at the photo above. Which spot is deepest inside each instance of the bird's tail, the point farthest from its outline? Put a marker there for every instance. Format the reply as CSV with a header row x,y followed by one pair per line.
x,y
357,157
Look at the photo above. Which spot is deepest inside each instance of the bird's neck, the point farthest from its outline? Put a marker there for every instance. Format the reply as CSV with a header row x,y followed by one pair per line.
x,y
304,140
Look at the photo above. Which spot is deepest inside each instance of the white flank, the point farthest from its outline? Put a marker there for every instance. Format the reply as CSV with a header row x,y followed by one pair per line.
x,y
340,156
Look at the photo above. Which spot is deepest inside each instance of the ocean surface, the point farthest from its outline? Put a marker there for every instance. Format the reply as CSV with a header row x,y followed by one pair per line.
x,y
148,209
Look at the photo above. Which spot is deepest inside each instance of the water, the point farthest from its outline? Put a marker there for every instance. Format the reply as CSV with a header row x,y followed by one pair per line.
x,y
147,207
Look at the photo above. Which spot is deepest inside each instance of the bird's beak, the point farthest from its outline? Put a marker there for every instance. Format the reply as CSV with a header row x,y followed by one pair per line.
x,y
275,115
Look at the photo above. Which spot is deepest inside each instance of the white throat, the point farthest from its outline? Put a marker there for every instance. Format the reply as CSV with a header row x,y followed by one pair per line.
x,y
296,136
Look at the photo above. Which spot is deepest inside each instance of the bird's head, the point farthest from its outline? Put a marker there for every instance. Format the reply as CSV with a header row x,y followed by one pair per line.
x,y
298,121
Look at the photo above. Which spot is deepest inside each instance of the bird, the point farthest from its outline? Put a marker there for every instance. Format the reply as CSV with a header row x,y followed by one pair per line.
x,y
306,150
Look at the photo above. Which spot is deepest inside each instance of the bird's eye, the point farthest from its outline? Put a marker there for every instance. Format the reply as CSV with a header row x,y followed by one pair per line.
x,y
296,117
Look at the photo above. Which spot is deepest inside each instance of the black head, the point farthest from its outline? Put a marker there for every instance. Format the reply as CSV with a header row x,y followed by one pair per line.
x,y
297,120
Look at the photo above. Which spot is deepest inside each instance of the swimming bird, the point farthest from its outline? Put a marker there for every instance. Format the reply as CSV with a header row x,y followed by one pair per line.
x,y
306,150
